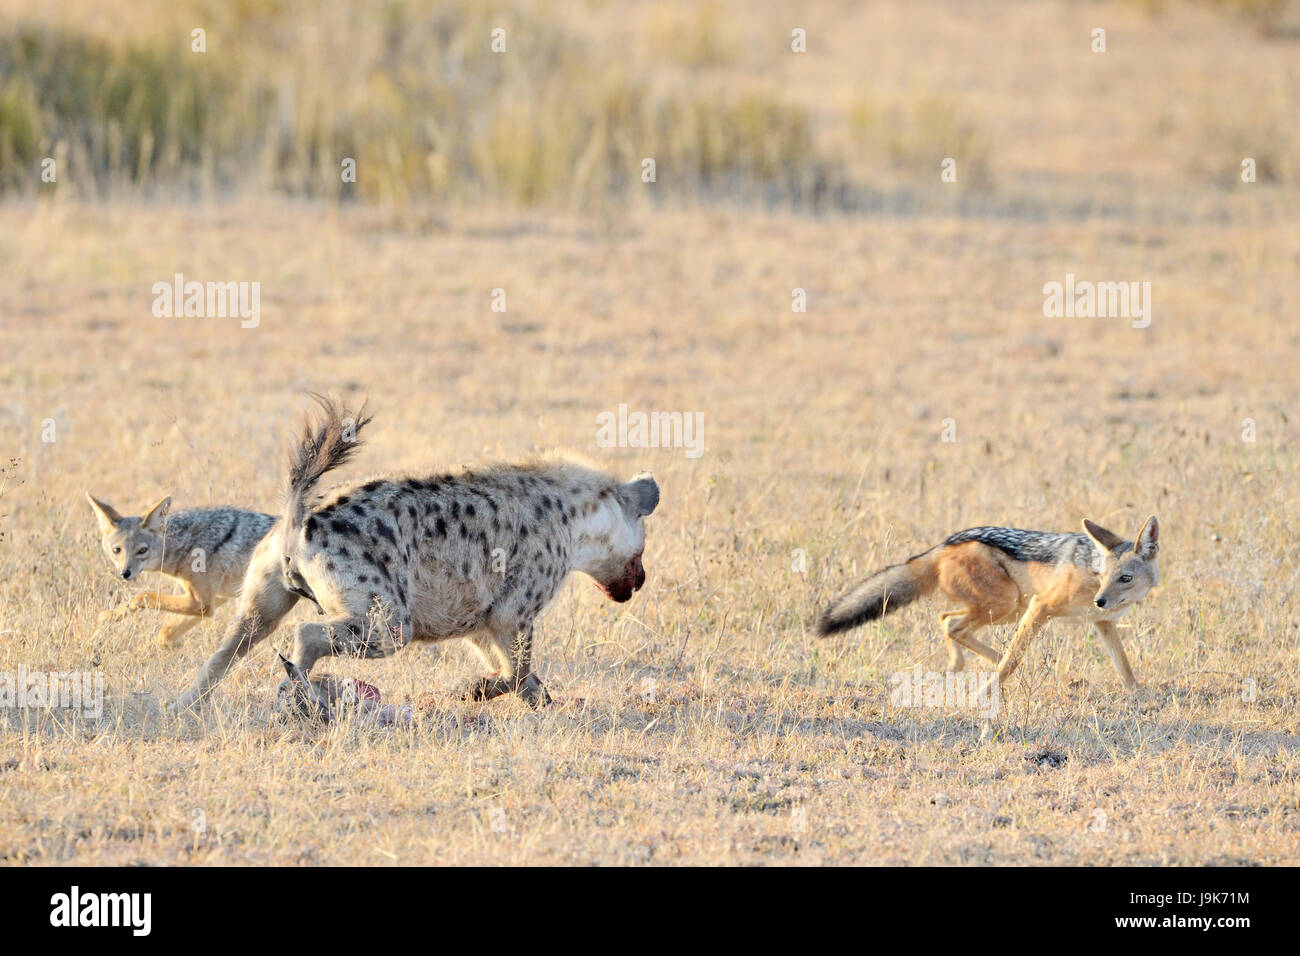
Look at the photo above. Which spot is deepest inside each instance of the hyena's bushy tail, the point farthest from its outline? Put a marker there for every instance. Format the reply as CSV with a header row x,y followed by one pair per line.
x,y
324,446
878,594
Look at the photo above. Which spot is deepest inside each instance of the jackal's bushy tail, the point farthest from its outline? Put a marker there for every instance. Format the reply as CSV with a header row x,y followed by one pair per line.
x,y
878,594
324,446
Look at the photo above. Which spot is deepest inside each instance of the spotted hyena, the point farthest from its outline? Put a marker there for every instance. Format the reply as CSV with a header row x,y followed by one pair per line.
x,y
396,559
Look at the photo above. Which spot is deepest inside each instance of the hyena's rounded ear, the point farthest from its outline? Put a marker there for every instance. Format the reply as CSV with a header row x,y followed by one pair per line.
x,y
641,495
1107,539
105,513
1148,539
156,513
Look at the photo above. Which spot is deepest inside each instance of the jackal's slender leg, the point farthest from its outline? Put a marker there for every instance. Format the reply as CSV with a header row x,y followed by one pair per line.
x,y
959,628
1035,617
194,601
202,602
187,603
493,654
955,660
1115,650
169,635
150,600
488,688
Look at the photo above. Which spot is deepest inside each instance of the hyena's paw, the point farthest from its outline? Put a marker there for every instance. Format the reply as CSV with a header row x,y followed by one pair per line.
x,y
489,688
187,706
486,688
534,692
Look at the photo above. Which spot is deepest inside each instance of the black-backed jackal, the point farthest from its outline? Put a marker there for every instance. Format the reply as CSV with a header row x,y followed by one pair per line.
x,y
994,575
206,550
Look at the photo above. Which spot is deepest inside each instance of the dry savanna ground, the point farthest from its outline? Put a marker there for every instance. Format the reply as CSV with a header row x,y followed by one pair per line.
x,y
700,723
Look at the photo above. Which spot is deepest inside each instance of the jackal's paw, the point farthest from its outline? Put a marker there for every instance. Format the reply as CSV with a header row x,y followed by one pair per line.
x,y
114,613
993,688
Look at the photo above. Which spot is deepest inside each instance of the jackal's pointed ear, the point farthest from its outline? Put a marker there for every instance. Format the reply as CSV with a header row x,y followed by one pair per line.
x,y
1107,539
641,495
105,514
156,514
1147,545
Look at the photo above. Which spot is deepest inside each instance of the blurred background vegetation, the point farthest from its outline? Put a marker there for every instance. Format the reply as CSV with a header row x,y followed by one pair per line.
x,y
585,91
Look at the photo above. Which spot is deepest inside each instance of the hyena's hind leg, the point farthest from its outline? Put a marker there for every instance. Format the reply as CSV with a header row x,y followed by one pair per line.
x,y
263,603
367,635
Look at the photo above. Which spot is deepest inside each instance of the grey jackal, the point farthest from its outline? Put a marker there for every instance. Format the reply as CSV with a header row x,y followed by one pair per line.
x,y
997,574
396,559
206,549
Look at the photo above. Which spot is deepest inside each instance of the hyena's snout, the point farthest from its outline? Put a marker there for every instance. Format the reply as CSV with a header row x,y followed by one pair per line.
x,y
622,588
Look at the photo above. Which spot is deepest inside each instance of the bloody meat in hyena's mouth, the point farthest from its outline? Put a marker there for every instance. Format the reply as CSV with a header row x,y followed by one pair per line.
x,y
623,588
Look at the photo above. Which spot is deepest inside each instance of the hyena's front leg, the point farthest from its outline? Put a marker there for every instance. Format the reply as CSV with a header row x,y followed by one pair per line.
x,y
494,656
516,673
1115,650
526,681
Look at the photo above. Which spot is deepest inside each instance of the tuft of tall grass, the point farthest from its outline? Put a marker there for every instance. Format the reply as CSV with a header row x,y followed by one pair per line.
x,y
1266,16
416,97
914,133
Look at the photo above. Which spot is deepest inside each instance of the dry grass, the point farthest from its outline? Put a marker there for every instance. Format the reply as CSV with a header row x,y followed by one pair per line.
x,y
822,430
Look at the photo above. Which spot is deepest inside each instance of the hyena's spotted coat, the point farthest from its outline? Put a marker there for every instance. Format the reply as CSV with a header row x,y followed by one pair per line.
x,y
475,555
